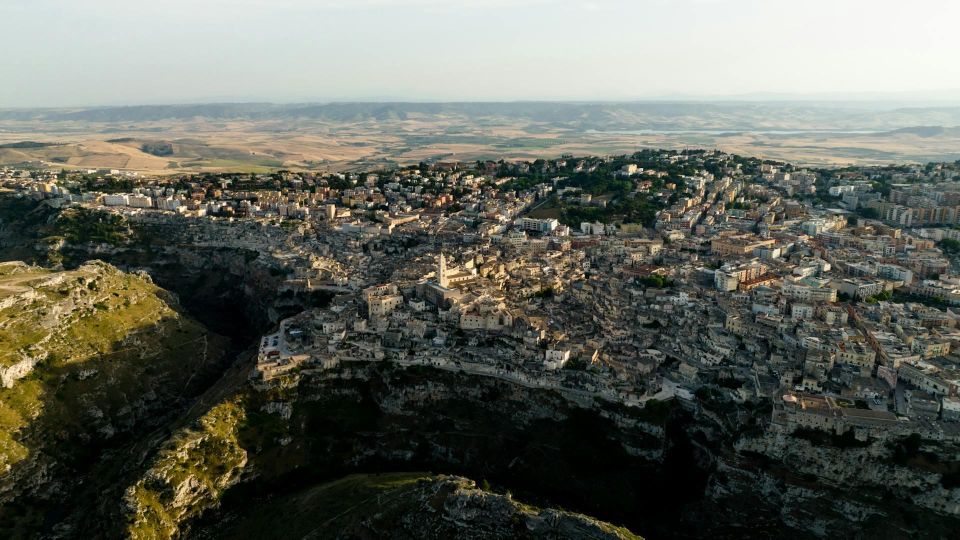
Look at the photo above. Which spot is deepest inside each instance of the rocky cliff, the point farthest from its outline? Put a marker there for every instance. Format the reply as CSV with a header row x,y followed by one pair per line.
x,y
299,432
89,359
231,290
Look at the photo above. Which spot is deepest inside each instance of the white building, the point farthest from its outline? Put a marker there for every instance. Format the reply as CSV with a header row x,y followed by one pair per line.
x,y
116,200
801,312
556,358
894,272
170,204
837,191
596,228
382,300
809,293
544,226
140,201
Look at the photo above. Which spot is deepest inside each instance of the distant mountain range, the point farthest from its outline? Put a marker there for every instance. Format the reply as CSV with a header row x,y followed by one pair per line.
x,y
650,115
927,131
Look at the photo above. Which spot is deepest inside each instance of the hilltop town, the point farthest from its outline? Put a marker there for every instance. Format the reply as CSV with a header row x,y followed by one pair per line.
x,y
828,293
822,299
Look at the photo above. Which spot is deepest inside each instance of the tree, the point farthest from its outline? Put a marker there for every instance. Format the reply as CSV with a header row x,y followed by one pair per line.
x,y
656,281
157,148
949,245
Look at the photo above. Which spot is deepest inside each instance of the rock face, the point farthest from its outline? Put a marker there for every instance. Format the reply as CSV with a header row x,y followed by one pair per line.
x,y
89,359
190,473
224,287
263,442
883,488
663,472
211,478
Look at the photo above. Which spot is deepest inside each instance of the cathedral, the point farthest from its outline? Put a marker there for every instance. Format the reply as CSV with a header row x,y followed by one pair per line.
x,y
442,290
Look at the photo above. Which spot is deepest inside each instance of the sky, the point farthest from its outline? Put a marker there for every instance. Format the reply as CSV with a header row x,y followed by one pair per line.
x,y
127,52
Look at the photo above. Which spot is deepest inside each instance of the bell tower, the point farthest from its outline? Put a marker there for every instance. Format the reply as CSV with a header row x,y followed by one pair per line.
x,y
442,278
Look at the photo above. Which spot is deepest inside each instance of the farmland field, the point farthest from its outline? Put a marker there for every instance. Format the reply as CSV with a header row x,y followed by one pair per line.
x,y
363,136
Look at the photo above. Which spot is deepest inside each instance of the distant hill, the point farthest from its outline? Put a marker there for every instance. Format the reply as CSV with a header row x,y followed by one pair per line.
x,y
652,115
927,131
142,113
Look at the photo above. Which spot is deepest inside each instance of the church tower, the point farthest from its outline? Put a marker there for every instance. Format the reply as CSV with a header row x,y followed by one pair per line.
x,y
442,278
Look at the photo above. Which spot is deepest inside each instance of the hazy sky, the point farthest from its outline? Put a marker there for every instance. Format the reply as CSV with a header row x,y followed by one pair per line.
x,y
97,52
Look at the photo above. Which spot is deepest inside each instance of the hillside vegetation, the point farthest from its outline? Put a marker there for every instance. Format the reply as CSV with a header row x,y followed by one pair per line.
x,y
88,358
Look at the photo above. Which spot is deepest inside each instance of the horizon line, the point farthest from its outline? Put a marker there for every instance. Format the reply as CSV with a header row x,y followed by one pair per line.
x,y
772,98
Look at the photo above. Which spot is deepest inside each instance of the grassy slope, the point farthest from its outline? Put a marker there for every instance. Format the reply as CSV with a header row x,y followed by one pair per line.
x,y
111,353
188,475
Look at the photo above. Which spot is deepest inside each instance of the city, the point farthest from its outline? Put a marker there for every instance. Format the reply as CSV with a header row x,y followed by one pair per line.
x,y
829,295
785,304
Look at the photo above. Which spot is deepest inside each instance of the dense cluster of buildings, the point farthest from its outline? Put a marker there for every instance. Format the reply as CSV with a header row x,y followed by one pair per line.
x,y
828,294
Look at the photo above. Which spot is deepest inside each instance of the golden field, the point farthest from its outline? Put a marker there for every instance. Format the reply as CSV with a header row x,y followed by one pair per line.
x,y
366,137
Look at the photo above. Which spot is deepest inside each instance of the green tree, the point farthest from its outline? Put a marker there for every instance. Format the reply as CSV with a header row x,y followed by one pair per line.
x,y
949,245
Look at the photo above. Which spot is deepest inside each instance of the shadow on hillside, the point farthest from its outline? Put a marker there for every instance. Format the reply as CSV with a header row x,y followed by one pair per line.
x,y
92,415
214,296
22,221
533,443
